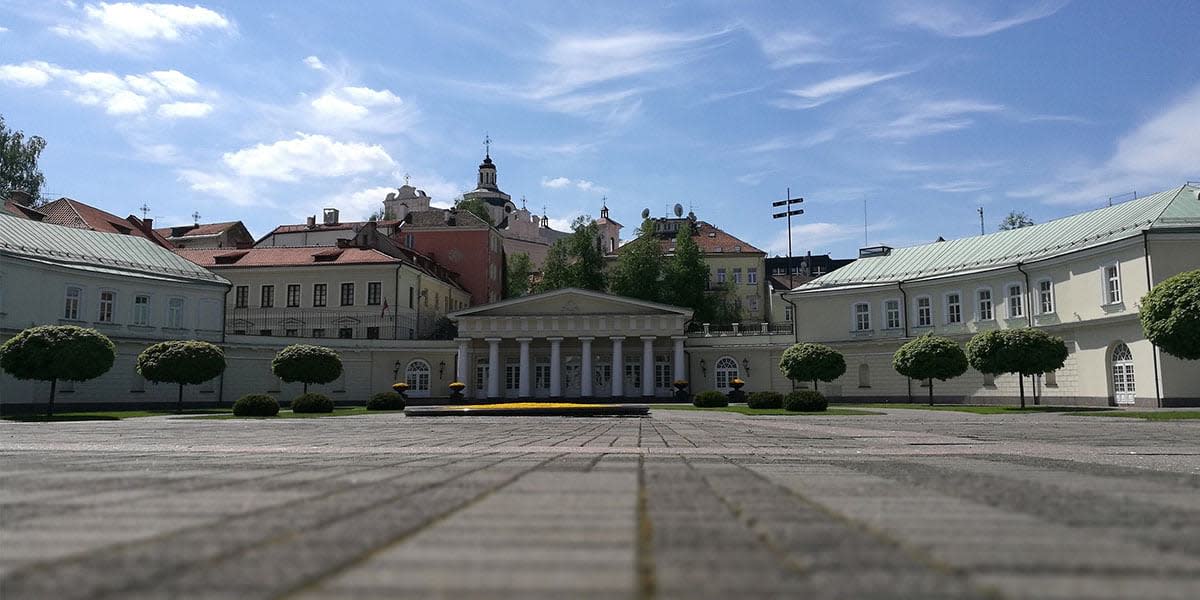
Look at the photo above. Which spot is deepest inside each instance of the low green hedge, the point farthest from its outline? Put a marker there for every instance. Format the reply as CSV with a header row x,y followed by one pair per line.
x,y
710,399
805,401
386,401
256,405
765,400
312,403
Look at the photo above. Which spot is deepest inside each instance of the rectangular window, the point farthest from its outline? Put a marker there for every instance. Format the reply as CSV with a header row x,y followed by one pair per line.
x,y
141,310
752,303
374,293
1016,302
541,375
737,276
347,294
1046,296
662,371
481,374
891,314
633,374
320,290
107,301
71,309
984,302
787,313
410,298
291,332
752,276
267,296
318,333
512,375
1112,284
720,275
241,297
175,313
264,332
924,312
953,308
346,333
372,333
862,317
293,295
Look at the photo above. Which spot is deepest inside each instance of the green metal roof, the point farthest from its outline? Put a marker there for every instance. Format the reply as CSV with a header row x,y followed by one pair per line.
x,y
1174,208
95,251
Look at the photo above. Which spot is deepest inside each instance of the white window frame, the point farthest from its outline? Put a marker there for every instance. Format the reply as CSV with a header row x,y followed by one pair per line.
x,y
887,322
287,295
142,316
1044,295
1106,287
419,377
1008,300
927,321
752,276
737,276
175,317
788,313
854,316
721,275
103,316
979,303
722,373
71,304
946,304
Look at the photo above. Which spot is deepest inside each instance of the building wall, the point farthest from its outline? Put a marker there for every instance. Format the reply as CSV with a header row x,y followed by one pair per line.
x,y
754,297
477,255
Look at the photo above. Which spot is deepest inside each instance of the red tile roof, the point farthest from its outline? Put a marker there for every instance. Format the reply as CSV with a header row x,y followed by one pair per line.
x,y
73,213
711,240
196,230
25,212
284,257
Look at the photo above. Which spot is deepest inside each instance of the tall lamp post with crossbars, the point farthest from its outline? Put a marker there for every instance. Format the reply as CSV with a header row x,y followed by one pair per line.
x,y
788,213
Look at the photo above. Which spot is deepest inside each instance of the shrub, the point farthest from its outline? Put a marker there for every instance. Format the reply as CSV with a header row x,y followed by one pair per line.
x,y
1171,315
765,400
312,403
812,362
386,401
53,352
307,364
255,405
710,399
181,362
1024,351
805,401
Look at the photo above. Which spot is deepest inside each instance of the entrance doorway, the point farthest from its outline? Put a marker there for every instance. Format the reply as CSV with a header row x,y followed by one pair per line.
x,y
1122,375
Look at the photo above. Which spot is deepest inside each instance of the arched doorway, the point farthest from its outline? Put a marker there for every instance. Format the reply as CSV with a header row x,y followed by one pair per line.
x,y
1122,374
416,375
725,370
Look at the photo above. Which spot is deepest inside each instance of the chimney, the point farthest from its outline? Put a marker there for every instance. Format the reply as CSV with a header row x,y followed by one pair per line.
x,y
312,222
331,216
21,197
149,224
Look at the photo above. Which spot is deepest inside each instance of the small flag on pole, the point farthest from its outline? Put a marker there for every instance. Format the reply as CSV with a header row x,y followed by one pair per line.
x,y
385,307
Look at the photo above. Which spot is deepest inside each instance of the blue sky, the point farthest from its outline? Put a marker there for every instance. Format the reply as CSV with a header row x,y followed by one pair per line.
x,y
266,112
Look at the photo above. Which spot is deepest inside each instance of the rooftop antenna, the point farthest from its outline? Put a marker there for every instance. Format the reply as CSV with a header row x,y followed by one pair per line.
x,y
981,221
145,211
864,221
196,217
1133,196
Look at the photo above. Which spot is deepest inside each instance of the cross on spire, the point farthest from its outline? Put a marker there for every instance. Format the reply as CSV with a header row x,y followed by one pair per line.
x,y
604,201
145,211
487,145
196,217
522,201
406,176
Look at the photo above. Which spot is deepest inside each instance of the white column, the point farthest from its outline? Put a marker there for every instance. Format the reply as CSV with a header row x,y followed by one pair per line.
x,y
523,376
679,368
555,367
618,367
647,365
493,389
461,365
585,378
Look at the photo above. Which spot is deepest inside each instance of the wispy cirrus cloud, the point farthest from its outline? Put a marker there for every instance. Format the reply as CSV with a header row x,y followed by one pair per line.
x,y
132,27
956,187
969,19
930,117
814,95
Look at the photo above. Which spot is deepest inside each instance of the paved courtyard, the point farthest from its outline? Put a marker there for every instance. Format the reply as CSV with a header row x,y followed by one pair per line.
x,y
678,505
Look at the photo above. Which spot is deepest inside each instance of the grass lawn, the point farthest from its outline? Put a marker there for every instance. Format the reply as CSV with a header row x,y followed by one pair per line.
x,y
745,410
110,415
994,410
347,411
1149,415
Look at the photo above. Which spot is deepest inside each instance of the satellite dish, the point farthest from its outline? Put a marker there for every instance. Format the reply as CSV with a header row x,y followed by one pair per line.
x,y
645,213
678,210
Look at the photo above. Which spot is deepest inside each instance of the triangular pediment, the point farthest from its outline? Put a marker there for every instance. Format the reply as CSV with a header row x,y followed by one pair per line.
x,y
572,301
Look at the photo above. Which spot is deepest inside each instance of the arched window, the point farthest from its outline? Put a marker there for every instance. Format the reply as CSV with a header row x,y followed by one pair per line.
x,y
416,375
726,370
864,375
1122,374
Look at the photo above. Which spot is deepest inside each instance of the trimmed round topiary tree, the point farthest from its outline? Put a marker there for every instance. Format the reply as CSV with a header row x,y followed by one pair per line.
x,y
1025,351
54,352
765,400
805,401
812,362
1171,315
710,399
307,364
386,401
930,357
312,403
256,405
182,362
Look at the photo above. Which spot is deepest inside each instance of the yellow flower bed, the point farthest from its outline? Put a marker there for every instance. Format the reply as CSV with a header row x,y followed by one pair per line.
x,y
512,405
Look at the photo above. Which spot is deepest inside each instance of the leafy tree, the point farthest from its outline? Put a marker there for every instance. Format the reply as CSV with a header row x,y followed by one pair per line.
x,y
18,162
443,329
53,352
381,214
1024,351
1015,220
812,362
1171,315
575,260
686,283
181,362
930,357
517,275
476,207
639,270
307,364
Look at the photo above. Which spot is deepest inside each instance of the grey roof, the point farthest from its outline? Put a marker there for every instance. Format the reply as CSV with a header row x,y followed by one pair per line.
x,y
1171,209
96,251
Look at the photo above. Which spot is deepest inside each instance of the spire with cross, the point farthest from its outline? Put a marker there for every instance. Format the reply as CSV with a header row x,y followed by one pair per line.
x,y
487,145
196,217
406,176
145,211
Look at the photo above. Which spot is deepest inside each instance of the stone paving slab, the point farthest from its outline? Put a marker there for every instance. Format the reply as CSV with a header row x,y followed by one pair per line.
x,y
677,505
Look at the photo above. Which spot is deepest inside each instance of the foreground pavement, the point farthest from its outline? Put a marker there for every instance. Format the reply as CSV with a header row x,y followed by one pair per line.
x,y
678,505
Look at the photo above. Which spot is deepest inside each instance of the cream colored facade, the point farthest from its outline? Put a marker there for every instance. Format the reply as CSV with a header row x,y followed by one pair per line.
x,y
744,275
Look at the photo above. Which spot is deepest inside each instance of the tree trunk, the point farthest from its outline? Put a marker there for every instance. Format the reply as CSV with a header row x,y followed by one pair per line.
x,y
305,387
814,385
179,403
1021,385
931,391
50,409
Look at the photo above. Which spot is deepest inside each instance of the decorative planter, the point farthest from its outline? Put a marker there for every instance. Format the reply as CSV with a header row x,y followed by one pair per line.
x,y
736,394
401,388
681,394
456,390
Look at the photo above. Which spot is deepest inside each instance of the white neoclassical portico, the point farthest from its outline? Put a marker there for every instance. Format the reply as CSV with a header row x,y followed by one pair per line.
x,y
571,343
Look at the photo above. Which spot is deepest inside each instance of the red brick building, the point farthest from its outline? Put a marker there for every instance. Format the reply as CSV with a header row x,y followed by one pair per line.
x,y
461,242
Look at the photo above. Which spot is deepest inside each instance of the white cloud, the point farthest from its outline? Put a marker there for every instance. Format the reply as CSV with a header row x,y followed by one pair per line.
x,y
314,63
932,117
793,48
362,108
956,187
556,183
222,186
819,93
184,110
559,183
125,103
307,155
3,29
369,97
331,107
776,144
968,19
127,26
128,95
588,186
24,75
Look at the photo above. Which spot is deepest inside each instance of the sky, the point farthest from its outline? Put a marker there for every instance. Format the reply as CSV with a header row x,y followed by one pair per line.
x,y
895,121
